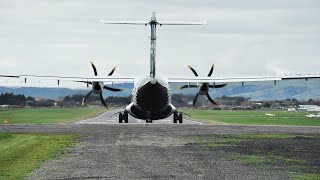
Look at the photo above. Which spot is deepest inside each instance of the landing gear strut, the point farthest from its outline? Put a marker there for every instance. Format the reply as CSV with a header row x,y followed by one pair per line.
x,y
177,117
123,117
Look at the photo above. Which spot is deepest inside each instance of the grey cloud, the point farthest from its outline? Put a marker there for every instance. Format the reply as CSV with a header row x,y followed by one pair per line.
x,y
54,37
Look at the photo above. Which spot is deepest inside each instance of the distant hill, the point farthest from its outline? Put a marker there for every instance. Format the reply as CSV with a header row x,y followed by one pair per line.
x,y
299,89
56,93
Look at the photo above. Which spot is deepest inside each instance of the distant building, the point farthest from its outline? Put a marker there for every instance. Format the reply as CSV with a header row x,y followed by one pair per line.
x,y
309,108
10,106
292,109
4,106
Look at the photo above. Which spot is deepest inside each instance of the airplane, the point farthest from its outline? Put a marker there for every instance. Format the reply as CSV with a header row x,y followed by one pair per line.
x,y
151,95
313,115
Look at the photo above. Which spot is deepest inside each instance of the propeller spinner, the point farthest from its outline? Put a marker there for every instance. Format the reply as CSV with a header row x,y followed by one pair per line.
x,y
97,87
203,87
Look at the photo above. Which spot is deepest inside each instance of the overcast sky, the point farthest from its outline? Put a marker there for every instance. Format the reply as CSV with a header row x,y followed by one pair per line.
x,y
60,37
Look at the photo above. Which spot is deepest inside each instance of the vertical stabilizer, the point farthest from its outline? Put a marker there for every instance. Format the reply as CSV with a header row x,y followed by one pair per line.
x,y
153,37
153,24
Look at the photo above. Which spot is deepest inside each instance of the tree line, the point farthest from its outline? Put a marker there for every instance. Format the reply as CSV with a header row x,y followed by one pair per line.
x,y
179,100
11,99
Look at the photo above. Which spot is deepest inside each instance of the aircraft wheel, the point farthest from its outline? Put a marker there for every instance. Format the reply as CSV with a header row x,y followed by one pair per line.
x,y
149,121
175,117
180,118
125,117
120,117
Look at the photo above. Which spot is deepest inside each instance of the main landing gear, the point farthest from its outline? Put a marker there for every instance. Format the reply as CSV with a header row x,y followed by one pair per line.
x,y
123,117
177,117
148,121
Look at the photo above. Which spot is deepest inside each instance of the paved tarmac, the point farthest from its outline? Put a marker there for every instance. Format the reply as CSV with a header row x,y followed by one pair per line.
x,y
111,117
148,151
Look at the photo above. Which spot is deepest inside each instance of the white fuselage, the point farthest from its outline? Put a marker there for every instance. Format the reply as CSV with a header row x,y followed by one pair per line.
x,y
151,99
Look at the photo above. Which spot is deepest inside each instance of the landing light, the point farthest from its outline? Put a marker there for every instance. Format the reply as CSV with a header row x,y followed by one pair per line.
x,y
5,122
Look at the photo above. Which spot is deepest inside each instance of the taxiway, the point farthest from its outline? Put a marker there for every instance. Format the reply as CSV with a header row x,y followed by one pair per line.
x,y
150,151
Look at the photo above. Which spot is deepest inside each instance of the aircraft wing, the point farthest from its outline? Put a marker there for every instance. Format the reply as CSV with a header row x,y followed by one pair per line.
x,y
76,79
9,76
218,79
230,79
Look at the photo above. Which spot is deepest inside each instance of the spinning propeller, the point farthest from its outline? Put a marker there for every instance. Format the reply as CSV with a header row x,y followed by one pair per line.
x,y
203,87
98,86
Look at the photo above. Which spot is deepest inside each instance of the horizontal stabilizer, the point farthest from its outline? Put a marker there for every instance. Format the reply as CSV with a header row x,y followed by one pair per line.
x,y
160,23
125,22
182,23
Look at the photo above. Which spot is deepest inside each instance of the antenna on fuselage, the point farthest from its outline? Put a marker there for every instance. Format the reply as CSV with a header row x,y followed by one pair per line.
x,y
153,25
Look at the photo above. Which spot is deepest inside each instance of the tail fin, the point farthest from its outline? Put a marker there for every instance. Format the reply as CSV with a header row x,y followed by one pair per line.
x,y
153,24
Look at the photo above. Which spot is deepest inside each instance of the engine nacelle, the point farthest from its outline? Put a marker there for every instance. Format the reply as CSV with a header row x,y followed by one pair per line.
x,y
204,88
97,87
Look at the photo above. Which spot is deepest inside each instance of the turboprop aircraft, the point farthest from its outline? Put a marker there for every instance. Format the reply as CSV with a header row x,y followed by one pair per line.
x,y
151,95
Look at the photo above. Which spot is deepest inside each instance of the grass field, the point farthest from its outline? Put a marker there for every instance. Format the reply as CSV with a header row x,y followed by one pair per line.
x,y
296,155
253,117
21,153
47,115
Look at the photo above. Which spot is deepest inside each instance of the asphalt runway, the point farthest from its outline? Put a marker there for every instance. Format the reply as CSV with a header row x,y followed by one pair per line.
x,y
149,151
110,117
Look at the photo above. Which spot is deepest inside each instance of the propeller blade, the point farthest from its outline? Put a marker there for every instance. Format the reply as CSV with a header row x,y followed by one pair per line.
x,y
211,100
94,68
85,98
188,86
194,71
112,89
218,86
112,71
195,100
102,101
211,70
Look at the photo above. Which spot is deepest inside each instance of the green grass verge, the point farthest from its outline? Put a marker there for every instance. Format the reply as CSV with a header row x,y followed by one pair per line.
x,y
304,176
47,115
253,117
243,148
21,153
254,159
223,140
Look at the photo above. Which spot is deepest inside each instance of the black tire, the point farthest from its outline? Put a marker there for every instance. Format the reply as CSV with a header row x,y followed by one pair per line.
x,y
120,117
175,117
149,121
180,118
126,119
